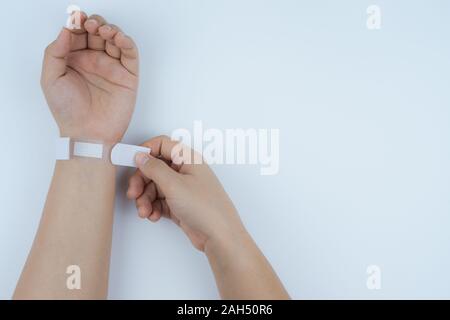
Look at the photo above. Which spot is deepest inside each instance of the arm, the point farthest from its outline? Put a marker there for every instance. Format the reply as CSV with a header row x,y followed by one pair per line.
x,y
241,270
184,189
90,80
75,229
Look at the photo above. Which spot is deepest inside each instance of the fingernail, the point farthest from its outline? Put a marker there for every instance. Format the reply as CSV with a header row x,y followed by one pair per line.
x,y
141,159
107,28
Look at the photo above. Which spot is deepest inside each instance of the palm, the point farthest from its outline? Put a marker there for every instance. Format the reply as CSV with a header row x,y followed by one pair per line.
x,y
99,96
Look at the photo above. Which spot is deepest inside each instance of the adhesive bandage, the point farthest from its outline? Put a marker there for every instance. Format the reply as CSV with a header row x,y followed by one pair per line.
x,y
88,150
120,155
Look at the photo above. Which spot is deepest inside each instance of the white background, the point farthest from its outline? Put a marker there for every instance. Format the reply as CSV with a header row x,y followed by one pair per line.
x,y
364,153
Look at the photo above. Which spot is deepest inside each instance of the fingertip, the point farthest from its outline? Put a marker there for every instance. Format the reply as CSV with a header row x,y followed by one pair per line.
x,y
91,25
136,186
63,33
155,216
118,38
123,41
106,32
141,159
143,212
130,194
78,26
134,193
128,43
105,28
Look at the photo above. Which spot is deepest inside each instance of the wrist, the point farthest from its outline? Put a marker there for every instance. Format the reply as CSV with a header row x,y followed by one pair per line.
x,y
88,167
90,135
118,154
228,240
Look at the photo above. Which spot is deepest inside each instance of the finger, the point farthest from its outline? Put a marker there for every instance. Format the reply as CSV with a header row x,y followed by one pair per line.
x,y
95,41
136,186
151,192
129,52
108,71
144,202
54,65
157,212
77,20
171,150
144,206
161,146
79,34
108,32
164,211
158,171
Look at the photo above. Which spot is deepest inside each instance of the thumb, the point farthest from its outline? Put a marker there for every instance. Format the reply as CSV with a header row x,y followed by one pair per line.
x,y
54,59
156,170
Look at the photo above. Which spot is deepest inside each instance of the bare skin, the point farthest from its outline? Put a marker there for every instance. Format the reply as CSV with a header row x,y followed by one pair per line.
x,y
190,194
90,81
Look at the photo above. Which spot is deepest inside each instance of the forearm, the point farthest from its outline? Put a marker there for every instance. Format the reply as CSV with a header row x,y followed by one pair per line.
x,y
75,229
241,270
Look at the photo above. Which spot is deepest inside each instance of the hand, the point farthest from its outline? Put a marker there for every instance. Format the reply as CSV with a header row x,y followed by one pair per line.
x,y
189,194
90,80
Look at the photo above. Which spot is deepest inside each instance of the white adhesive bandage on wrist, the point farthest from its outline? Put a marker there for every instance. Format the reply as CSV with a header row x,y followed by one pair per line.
x,y
120,155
